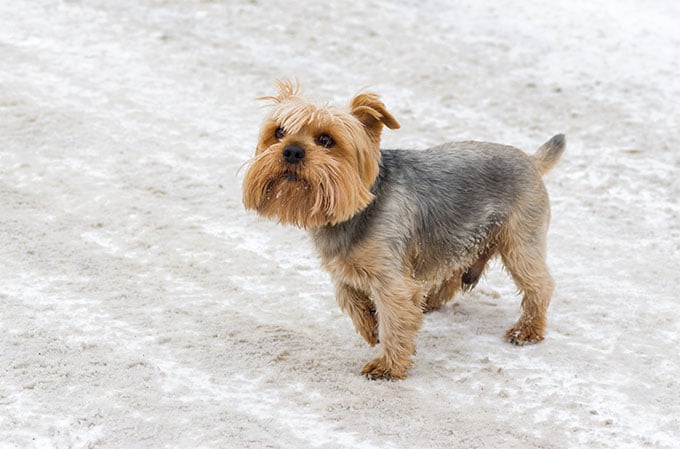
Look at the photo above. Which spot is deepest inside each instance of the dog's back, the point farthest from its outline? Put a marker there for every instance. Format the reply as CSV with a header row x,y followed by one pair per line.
x,y
458,195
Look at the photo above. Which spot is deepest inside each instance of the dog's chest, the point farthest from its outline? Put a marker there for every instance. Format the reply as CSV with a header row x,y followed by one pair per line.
x,y
345,255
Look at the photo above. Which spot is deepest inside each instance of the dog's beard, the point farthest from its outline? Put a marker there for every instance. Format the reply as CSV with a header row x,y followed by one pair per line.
x,y
307,195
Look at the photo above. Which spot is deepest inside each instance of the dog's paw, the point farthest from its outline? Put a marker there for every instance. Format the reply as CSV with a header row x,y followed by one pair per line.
x,y
523,335
378,368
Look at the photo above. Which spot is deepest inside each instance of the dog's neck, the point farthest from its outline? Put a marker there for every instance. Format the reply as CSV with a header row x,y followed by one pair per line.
x,y
336,240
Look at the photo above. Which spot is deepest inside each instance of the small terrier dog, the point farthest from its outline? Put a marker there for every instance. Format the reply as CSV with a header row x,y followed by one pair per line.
x,y
402,231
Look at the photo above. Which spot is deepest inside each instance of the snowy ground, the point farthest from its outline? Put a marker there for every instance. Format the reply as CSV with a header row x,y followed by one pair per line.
x,y
141,307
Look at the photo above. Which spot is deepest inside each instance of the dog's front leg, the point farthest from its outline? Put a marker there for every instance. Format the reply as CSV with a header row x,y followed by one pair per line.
x,y
361,309
399,318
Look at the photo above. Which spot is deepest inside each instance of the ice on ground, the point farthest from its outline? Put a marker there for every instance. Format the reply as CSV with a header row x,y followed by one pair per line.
x,y
141,306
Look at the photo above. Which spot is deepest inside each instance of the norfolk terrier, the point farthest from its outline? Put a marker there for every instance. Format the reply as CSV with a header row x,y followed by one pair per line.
x,y
402,231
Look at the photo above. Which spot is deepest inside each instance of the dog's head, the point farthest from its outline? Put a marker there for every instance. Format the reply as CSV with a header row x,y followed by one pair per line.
x,y
315,165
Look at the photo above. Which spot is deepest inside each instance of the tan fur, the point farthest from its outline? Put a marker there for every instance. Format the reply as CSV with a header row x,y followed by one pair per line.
x,y
335,185
369,272
383,281
524,258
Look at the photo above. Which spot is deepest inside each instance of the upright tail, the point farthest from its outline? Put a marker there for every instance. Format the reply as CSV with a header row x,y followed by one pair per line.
x,y
549,153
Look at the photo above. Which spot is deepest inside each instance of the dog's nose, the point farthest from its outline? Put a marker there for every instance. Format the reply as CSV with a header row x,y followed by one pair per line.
x,y
293,154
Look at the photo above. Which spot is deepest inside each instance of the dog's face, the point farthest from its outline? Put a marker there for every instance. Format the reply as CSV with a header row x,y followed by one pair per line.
x,y
315,165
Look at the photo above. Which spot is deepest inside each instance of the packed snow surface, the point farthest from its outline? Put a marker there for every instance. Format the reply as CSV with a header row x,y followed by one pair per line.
x,y
142,307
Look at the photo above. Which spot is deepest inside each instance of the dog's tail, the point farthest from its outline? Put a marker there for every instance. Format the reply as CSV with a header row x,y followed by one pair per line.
x,y
549,153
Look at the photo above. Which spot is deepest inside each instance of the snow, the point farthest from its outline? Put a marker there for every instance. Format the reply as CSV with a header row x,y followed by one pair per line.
x,y
141,306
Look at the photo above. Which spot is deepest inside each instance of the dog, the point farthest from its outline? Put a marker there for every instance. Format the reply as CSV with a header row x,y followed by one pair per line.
x,y
402,231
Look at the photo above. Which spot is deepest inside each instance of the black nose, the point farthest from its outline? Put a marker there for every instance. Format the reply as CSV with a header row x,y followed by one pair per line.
x,y
293,154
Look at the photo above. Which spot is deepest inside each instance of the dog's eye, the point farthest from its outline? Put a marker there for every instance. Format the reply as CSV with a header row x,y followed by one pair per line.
x,y
279,133
325,141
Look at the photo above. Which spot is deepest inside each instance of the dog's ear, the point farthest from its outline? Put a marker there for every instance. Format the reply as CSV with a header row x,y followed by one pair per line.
x,y
287,89
371,112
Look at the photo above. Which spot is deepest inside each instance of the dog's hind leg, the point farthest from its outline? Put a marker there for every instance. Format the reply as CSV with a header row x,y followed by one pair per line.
x,y
523,254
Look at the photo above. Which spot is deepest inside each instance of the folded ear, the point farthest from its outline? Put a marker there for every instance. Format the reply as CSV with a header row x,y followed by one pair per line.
x,y
371,112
